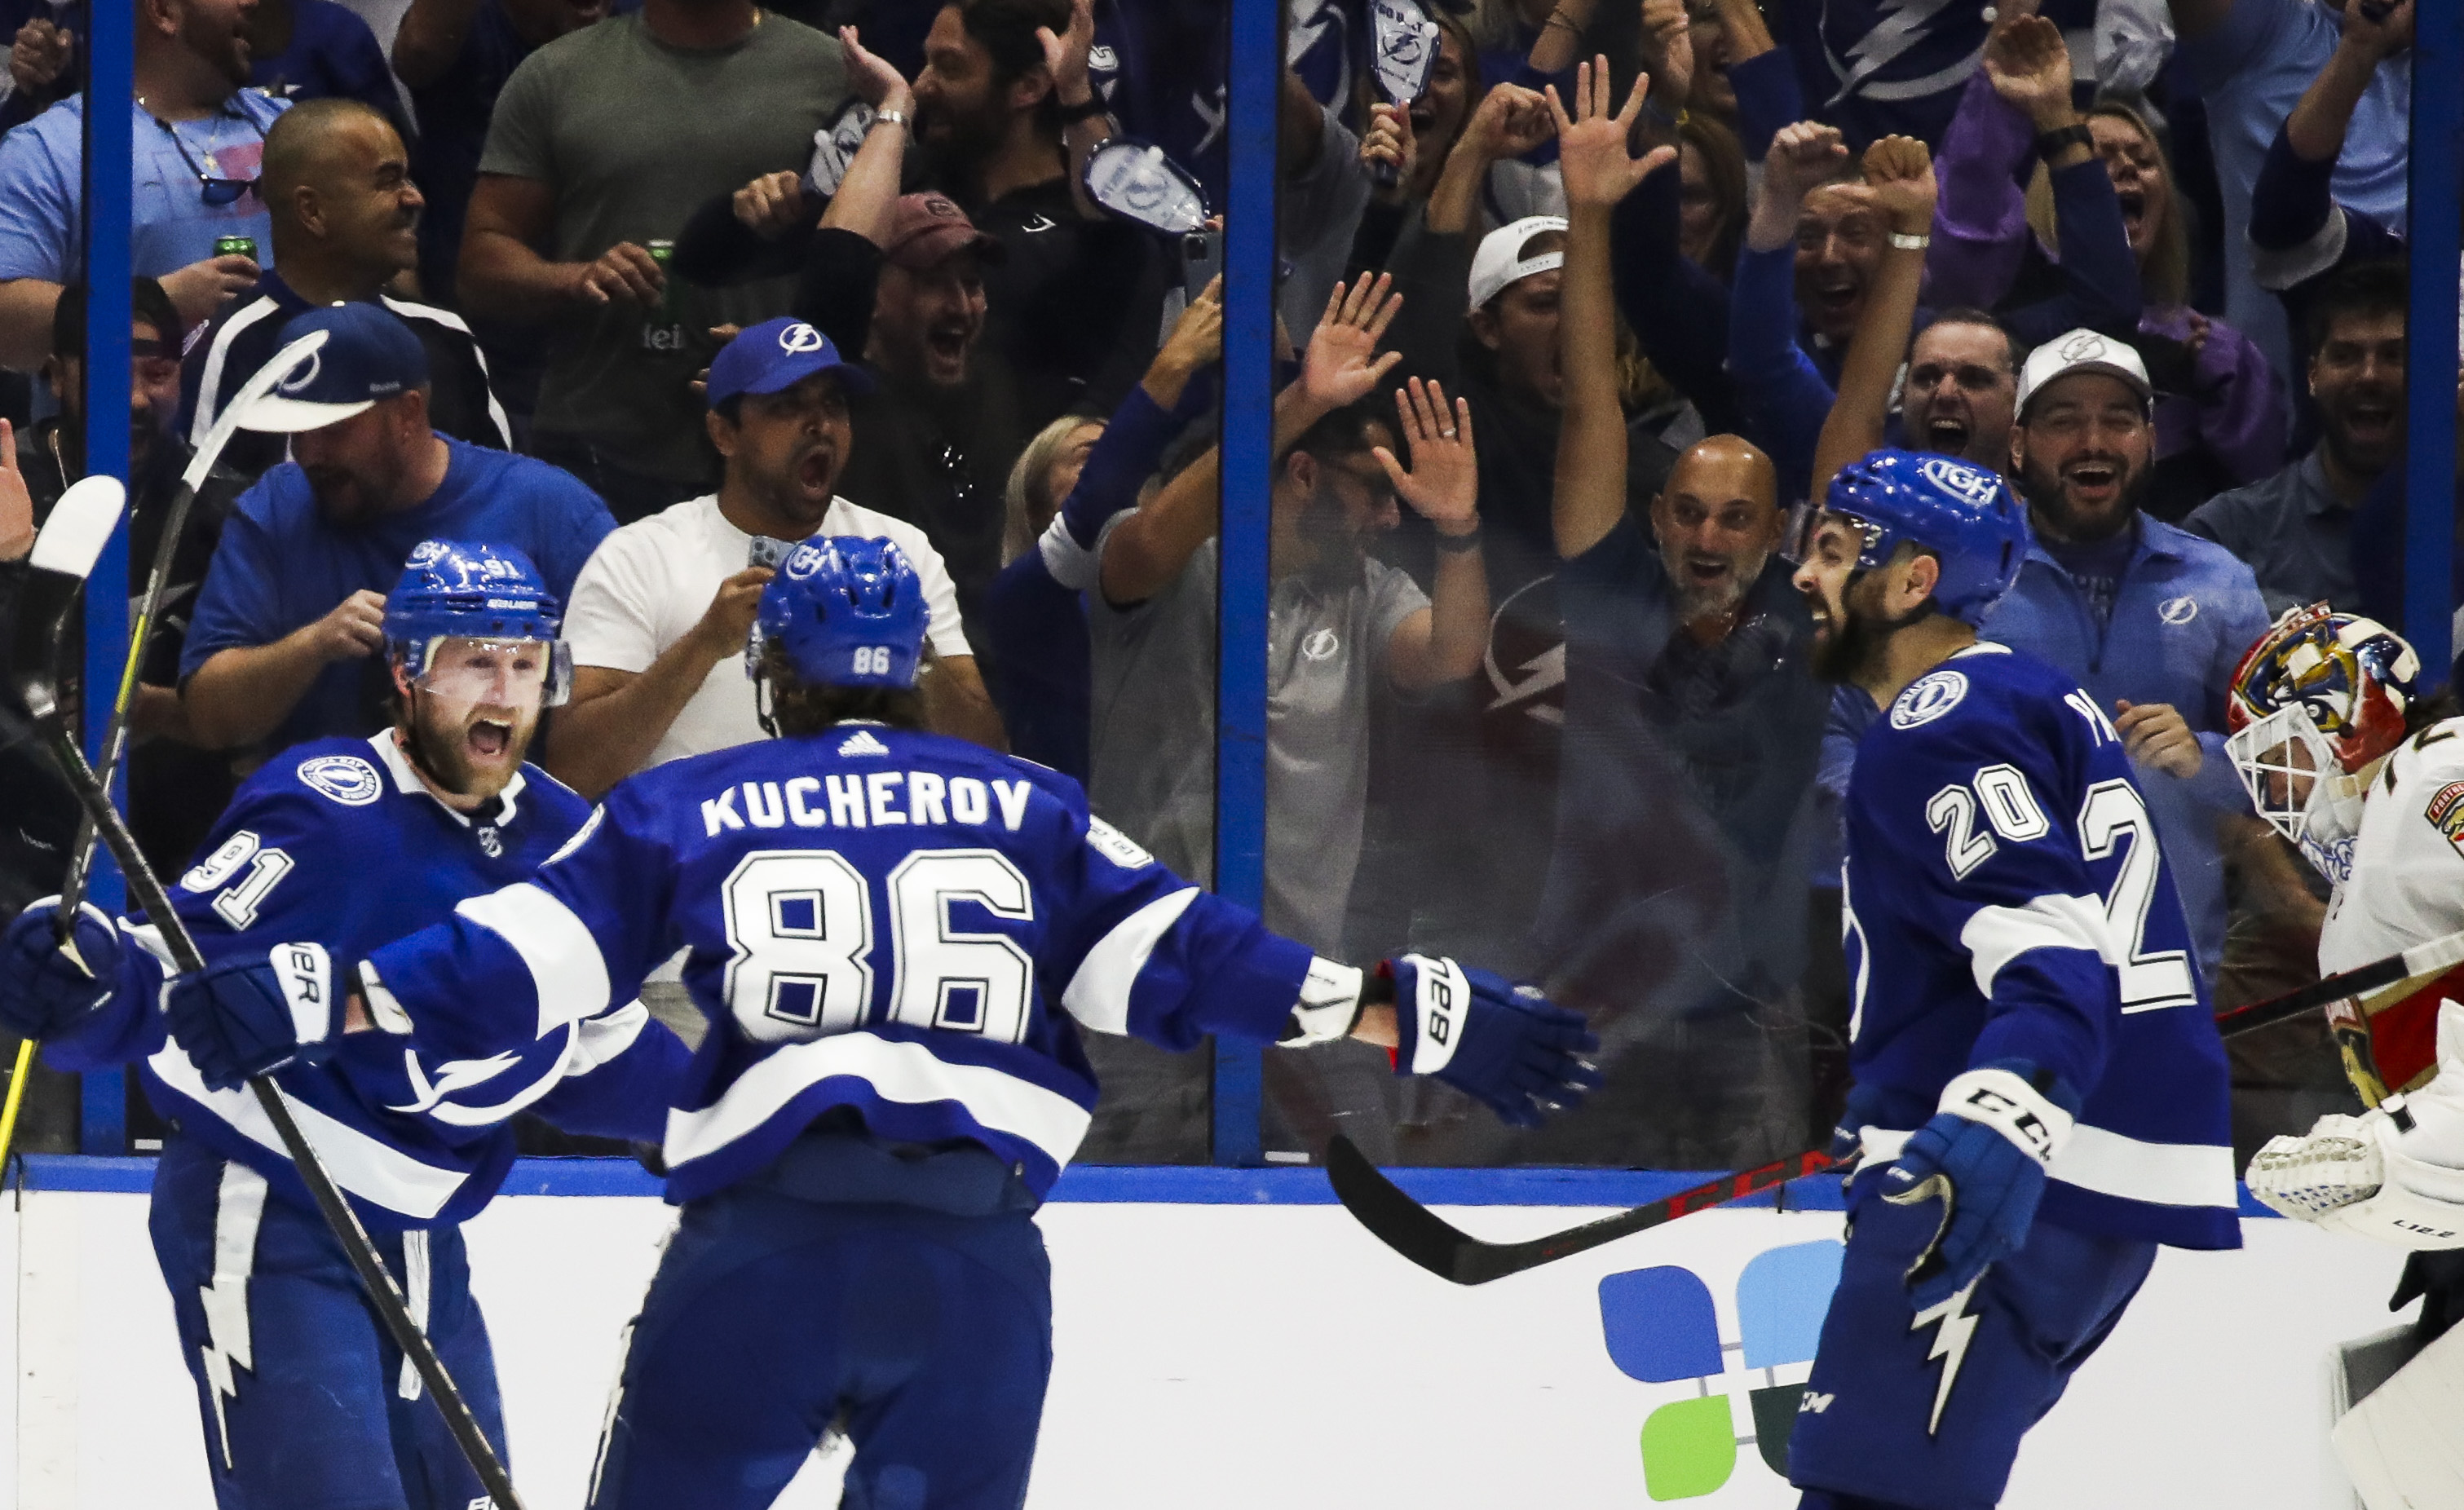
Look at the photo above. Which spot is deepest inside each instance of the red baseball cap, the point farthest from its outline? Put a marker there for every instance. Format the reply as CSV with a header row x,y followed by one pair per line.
x,y
927,228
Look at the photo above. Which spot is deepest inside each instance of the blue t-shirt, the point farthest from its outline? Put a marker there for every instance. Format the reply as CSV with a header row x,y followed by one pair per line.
x,y
332,55
281,566
171,226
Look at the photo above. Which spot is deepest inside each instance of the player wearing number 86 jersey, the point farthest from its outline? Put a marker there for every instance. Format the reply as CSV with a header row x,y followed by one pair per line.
x,y
2040,1093
897,937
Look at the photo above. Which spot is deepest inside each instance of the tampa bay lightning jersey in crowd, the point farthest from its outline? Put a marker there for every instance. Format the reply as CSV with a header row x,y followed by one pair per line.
x,y
338,841
2007,898
889,920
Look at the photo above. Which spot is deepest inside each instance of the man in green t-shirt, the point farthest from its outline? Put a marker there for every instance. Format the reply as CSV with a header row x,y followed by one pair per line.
x,y
604,142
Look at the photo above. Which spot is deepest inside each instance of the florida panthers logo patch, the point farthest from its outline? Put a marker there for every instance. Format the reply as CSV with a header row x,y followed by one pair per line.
x,y
2446,812
1927,698
347,780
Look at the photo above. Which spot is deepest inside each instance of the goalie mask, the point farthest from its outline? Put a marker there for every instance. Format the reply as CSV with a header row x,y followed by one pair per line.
x,y
494,599
2313,708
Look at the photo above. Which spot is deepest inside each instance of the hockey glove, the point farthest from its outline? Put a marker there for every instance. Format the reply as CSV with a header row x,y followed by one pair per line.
x,y
1505,1045
44,987
1984,1156
246,1017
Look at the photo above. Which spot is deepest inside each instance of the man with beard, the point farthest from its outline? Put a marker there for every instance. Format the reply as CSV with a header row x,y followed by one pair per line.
x,y
1674,910
292,605
2150,620
2040,1097
346,225
660,613
1002,98
199,136
328,851
2296,529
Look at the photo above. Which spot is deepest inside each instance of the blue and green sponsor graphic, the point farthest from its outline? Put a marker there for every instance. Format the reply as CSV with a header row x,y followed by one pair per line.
x,y
1661,1327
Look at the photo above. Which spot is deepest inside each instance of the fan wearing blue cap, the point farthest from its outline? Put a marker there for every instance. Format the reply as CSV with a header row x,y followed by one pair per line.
x,y
660,615
294,605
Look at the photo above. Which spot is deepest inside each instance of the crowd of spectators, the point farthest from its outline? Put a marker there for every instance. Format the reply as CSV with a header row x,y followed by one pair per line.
x,y
649,291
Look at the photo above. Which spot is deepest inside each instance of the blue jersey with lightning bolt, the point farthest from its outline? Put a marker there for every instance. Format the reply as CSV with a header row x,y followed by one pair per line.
x,y
2006,898
338,841
889,922
1876,67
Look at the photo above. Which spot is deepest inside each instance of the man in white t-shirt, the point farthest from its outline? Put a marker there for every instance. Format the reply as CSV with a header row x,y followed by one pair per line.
x,y
659,615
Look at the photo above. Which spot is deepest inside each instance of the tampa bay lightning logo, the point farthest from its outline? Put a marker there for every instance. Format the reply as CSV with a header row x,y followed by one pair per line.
x,y
424,552
304,374
804,561
1927,698
347,780
1973,484
799,337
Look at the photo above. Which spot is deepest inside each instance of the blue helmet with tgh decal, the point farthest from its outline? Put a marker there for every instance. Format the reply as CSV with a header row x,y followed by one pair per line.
x,y
848,611
460,590
1965,515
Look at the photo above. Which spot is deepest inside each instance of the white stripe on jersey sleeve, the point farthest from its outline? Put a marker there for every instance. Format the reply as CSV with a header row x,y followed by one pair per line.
x,y
1098,995
1996,935
2167,1173
368,1167
598,1040
898,1071
569,975
2102,1160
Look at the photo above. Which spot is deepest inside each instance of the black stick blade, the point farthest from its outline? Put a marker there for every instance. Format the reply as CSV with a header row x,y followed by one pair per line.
x,y
1393,1217
1412,1230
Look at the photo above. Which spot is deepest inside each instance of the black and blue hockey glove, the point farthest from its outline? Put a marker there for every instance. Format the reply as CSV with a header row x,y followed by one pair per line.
x,y
250,1016
1984,1156
1505,1045
44,989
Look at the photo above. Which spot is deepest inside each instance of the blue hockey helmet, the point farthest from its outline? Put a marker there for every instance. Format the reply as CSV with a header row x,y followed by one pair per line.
x,y
848,611
1965,515
459,590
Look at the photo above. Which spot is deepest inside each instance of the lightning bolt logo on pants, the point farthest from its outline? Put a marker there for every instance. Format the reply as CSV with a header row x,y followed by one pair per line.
x,y
1954,1328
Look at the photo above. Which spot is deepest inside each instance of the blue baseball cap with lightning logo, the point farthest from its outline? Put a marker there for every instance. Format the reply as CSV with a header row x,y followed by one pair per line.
x,y
777,354
369,356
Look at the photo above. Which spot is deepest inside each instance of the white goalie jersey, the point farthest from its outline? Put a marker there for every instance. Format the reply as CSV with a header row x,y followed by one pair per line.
x,y
2396,1172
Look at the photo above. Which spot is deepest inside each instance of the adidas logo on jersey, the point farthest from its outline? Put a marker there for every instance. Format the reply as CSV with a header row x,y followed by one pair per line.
x,y
862,743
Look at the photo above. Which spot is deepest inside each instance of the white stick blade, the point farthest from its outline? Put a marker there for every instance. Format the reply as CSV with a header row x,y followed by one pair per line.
x,y
81,525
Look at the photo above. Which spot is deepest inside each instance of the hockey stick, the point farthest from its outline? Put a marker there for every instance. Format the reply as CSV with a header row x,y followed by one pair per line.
x,y
1420,1235
175,518
2430,957
64,554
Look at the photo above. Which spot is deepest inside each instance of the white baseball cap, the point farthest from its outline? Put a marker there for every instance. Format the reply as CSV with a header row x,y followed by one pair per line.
x,y
2084,351
1500,260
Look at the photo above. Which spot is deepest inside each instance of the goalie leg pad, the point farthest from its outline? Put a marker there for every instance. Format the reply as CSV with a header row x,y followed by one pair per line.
x,y
2400,1445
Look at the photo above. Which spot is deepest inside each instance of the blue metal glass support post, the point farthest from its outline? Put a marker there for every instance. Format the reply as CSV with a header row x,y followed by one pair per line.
x,y
2430,336
1250,111
111,46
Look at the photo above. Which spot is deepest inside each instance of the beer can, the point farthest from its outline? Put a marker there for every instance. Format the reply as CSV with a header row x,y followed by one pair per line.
x,y
235,246
664,253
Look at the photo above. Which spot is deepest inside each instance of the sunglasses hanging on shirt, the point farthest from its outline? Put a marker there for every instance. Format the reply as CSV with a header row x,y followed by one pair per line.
x,y
216,192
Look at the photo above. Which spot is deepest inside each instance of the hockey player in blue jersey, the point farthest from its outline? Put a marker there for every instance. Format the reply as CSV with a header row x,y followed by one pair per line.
x,y
2040,1094
330,850
892,933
